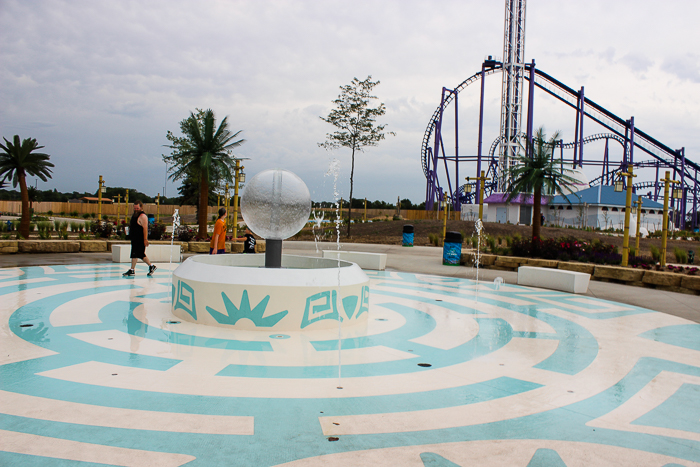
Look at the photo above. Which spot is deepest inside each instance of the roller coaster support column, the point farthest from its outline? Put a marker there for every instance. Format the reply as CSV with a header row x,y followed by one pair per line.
x,y
530,105
481,124
681,207
664,232
580,133
630,122
639,222
480,181
628,207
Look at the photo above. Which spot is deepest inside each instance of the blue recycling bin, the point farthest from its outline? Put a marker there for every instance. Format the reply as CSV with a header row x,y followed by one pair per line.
x,y
452,249
407,235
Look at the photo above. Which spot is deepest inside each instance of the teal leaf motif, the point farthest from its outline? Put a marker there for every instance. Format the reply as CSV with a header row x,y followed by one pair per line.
x,y
244,311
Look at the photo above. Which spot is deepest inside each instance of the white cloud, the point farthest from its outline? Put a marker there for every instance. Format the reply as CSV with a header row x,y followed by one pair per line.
x,y
100,83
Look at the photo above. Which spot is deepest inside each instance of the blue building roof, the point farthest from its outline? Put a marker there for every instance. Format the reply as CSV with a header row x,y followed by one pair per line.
x,y
608,197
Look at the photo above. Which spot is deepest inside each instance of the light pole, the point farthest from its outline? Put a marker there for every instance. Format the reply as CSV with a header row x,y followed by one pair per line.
x,y
158,208
365,217
664,232
239,178
482,179
639,218
628,207
100,190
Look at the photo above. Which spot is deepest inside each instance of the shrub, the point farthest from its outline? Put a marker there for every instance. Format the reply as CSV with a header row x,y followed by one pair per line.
x,y
185,233
86,216
102,229
50,213
57,224
74,214
681,255
32,227
156,231
655,253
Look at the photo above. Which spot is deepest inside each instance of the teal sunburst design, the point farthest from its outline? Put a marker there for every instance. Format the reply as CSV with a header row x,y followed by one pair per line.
x,y
235,313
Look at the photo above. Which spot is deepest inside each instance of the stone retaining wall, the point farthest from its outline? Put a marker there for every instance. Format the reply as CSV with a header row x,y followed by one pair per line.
x,y
75,246
671,281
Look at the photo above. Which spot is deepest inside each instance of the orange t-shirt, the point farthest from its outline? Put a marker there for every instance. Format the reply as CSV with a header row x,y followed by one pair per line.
x,y
219,229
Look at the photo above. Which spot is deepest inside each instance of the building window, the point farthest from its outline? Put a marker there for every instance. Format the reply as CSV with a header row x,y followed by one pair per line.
x,y
551,207
605,208
560,207
569,208
644,211
614,209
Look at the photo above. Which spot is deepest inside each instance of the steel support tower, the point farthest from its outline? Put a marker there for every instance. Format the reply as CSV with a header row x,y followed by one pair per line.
x,y
512,94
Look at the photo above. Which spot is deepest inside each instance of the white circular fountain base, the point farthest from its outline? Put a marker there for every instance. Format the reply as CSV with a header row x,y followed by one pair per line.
x,y
236,290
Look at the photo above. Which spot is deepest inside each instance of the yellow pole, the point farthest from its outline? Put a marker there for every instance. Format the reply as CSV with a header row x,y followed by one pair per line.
x,y
228,216
628,207
119,205
126,205
482,180
218,201
639,218
239,168
365,209
664,232
158,208
99,199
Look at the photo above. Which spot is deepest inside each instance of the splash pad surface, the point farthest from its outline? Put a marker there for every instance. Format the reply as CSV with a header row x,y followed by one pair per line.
x,y
95,368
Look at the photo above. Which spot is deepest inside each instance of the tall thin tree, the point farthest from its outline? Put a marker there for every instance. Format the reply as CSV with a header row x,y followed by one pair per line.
x,y
356,125
16,162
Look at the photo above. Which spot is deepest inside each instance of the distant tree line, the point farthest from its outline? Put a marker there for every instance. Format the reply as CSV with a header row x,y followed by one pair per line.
x,y
376,204
111,193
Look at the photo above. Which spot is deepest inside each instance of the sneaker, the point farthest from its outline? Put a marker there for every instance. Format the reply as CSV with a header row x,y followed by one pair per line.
x,y
151,269
129,273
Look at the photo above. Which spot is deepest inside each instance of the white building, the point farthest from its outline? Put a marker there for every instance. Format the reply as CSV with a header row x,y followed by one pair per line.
x,y
601,207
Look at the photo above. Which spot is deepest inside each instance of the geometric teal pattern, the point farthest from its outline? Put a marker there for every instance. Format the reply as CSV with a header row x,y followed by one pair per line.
x,y
446,372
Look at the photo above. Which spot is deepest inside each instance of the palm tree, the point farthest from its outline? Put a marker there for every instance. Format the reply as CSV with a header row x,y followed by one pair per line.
x,y
538,172
16,162
205,155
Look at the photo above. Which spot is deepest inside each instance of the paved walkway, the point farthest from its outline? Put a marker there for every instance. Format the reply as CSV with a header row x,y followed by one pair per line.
x,y
96,369
424,260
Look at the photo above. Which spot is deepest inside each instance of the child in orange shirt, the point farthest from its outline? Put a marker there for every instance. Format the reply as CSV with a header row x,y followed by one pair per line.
x,y
218,238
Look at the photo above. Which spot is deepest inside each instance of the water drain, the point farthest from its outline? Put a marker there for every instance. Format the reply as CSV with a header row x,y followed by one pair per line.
x,y
279,336
333,438
424,365
380,319
26,325
173,322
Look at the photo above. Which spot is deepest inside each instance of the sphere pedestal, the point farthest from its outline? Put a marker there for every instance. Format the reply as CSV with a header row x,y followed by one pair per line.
x,y
238,291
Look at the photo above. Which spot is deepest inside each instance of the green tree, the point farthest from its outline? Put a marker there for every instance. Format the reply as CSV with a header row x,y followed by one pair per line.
x,y
16,162
355,121
537,172
202,153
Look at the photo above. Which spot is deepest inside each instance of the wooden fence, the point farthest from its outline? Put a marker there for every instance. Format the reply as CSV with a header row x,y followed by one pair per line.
x,y
15,207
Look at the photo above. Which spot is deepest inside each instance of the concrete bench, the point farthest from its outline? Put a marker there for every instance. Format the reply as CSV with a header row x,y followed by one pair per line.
x,y
156,253
556,279
376,261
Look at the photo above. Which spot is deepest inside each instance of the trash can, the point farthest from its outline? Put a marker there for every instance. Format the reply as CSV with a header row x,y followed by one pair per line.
x,y
452,249
407,235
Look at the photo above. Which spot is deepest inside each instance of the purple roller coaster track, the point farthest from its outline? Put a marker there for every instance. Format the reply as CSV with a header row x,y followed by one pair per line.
x,y
434,157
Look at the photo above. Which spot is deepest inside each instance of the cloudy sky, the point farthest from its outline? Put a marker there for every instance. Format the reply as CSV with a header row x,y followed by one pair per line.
x,y
99,83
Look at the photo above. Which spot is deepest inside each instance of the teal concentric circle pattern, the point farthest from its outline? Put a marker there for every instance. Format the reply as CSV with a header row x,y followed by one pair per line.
x,y
94,370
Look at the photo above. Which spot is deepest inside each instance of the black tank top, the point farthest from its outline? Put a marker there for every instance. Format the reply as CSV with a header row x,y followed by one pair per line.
x,y
135,229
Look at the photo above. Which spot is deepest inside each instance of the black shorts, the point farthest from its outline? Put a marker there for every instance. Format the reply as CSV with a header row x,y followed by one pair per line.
x,y
138,250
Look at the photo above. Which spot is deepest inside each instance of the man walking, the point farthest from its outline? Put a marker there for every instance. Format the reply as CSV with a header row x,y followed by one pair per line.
x,y
138,233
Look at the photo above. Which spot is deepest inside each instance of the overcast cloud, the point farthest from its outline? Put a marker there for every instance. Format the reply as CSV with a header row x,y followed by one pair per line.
x,y
100,83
